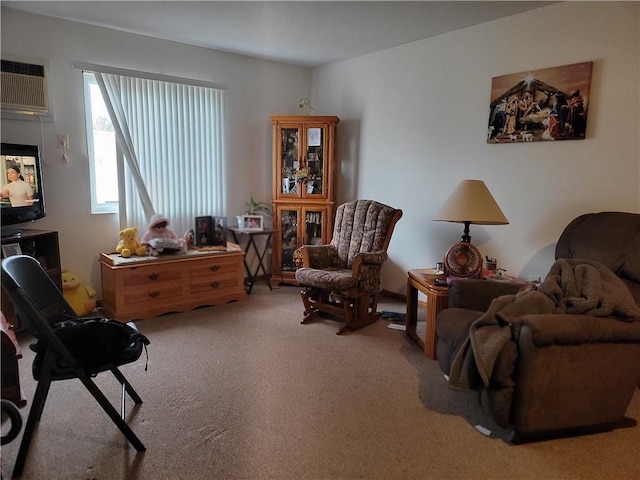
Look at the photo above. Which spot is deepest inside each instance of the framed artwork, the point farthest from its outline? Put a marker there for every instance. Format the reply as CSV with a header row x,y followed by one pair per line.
x,y
252,223
540,105
11,249
203,231
219,231
314,137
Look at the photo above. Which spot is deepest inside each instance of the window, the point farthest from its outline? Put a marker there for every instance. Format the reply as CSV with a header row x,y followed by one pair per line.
x,y
103,154
169,156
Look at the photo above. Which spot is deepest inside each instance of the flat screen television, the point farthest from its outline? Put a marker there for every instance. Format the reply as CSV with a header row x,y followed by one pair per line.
x,y
22,193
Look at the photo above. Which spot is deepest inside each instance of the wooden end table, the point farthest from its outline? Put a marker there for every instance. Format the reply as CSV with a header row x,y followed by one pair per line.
x,y
423,280
260,254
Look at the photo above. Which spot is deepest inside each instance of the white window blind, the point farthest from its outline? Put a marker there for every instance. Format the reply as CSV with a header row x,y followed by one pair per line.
x,y
173,138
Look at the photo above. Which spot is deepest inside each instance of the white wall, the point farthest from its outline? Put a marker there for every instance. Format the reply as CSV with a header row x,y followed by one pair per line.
x,y
413,123
414,119
256,88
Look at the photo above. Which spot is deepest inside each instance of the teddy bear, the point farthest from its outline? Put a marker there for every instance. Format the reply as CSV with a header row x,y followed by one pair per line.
x,y
79,296
129,244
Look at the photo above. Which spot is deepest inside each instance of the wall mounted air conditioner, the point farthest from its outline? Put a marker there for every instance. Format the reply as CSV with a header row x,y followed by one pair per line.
x,y
23,89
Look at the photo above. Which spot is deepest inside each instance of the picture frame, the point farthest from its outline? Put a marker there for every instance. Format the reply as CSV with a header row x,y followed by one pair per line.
x,y
11,249
252,223
547,104
203,231
314,137
219,237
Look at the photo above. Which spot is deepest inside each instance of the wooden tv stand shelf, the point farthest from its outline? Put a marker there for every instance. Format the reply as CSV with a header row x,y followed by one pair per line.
x,y
41,245
145,287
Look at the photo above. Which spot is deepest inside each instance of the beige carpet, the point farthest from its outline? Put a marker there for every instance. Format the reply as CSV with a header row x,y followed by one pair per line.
x,y
243,391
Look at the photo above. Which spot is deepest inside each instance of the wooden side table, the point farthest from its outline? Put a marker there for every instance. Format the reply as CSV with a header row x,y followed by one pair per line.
x,y
437,300
260,254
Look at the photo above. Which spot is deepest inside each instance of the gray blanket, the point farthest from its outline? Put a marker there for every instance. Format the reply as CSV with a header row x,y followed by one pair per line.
x,y
576,286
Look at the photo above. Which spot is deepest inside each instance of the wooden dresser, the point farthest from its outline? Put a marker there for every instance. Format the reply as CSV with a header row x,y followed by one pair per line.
x,y
145,287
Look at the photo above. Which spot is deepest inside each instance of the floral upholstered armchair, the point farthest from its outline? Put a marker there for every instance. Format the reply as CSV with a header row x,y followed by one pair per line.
x,y
344,278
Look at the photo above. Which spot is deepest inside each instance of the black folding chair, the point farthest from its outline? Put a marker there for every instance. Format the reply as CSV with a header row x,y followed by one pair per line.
x,y
42,306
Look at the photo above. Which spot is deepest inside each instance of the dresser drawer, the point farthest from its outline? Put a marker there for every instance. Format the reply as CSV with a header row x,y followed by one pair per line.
x,y
153,293
149,275
214,268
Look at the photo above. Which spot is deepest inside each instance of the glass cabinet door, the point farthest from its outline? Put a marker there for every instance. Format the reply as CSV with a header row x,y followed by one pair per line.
x,y
289,152
302,163
313,161
288,232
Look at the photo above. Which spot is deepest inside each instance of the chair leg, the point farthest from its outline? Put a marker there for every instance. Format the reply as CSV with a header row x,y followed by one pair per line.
x,y
310,312
350,314
359,312
125,383
35,412
112,412
126,388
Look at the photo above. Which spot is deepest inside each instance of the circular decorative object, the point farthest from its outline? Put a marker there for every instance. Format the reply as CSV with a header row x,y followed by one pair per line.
x,y
462,260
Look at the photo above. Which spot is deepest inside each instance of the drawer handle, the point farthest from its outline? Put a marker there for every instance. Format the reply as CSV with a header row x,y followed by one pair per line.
x,y
154,294
214,268
214,284
154,276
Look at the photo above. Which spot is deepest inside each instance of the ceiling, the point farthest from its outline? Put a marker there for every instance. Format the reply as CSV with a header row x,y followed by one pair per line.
x,y
307,33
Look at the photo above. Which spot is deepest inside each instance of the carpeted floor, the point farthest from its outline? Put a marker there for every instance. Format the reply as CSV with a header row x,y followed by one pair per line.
x,y
244,391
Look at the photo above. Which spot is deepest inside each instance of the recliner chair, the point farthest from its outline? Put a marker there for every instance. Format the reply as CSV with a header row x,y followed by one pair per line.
x,y
560,374
344,278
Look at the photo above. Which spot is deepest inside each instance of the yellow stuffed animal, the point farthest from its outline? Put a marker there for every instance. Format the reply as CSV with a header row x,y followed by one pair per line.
x,y
129,244
81,297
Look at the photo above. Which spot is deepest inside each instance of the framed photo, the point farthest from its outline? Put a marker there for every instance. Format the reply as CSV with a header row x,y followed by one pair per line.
x,y
11,249
220,231
203,231
314,137
252,223
540,105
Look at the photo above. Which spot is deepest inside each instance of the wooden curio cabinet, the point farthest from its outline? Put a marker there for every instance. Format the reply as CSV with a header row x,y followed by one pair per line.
x,y
304,169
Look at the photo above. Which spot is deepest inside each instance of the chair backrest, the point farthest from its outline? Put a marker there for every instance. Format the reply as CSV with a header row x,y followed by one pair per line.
x,y
362,226
611,238
35,296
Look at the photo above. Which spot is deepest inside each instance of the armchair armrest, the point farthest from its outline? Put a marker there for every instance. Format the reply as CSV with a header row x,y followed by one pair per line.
x,y
564,329
477,294
317,256
368,258
367,268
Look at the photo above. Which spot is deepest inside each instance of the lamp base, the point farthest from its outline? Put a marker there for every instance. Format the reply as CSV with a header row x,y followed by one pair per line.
x,y
463,259
466,238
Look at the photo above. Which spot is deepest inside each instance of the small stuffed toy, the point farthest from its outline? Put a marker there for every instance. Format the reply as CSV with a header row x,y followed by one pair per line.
x,y
81,297
189,239
129,244
160,239
158,228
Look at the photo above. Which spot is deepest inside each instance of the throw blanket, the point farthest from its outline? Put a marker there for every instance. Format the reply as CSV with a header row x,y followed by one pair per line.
x,y
576,286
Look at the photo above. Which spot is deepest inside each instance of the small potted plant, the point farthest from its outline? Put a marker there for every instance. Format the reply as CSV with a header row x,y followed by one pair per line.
x,y
255,209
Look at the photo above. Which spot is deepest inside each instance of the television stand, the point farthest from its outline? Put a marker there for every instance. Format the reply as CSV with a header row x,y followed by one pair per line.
x,y
41,245
11,234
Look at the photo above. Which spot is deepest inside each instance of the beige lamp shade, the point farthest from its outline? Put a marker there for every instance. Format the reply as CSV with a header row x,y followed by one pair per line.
x,y
471,202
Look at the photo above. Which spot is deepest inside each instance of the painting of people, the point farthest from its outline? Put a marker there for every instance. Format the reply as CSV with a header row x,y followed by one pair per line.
x,y
542,105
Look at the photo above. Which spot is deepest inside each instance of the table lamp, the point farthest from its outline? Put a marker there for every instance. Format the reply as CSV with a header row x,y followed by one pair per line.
x,y
471,202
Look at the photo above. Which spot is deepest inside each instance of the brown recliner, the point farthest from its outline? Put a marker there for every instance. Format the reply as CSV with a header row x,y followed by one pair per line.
x,y
344,278
560,374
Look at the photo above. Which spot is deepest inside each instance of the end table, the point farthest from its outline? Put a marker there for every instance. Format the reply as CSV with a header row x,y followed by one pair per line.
x,y
422,280
260,254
